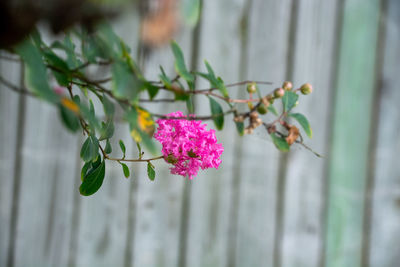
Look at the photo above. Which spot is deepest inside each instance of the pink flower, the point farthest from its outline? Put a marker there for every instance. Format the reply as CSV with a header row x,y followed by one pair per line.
x,y
59,89
188,145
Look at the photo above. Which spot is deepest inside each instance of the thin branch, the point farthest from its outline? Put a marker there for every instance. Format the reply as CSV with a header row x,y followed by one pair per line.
x,y
309,148
236,84
157,100
210,117
133,160
15,88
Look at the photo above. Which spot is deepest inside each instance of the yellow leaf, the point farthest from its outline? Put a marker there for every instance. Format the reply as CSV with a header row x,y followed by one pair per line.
x,y
136,136
145,122
69,104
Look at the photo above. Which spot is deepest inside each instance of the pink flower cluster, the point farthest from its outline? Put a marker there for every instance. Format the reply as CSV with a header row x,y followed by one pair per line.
x,y
188,145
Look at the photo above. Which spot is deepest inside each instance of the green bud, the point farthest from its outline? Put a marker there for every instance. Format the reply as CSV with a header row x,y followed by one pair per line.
x,y
171,159
279,92
192,154
262,109
251,88
270,98
287,86
306,89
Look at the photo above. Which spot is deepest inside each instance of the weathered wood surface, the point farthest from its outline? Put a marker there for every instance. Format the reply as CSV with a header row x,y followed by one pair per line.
x,y
261,208
351,126
384,246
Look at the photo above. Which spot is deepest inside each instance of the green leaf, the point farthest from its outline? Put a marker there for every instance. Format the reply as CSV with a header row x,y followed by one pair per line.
x,y
189,105
60,69
35,71
152,90
85,169
69,118
272,109
108,106
280,142
289,99
90,149
125,83
125,169
191,12
93,180
89,47
108,148
240,128
216,109
69,48
110,42
88,113
139,149
302,120
122,146
151,173
107,130
165,79
180,66
214,81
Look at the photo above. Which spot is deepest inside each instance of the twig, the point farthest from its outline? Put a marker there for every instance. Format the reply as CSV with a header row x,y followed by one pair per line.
x,y
15,88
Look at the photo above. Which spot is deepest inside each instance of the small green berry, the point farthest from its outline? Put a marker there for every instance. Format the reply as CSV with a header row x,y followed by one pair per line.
x,y
262,109
287,86
306,89
271,99
171,159
279,92
252,88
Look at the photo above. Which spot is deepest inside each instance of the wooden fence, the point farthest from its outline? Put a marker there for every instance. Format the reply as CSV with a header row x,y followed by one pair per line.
x,y
262,207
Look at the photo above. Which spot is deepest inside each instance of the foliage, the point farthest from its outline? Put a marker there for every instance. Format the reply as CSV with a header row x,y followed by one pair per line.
x,y
66,62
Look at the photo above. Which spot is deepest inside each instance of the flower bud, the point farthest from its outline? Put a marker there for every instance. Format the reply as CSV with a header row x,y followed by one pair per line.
x,y
265,101
239,118
192,154
306,89
287,86
250,105
257,122
248,130
279,92
270,98
254,115
251,88
262,109
171,159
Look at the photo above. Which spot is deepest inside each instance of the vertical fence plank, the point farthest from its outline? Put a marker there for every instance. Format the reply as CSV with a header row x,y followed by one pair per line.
x,y
45,203
9,114
266,60
313,49
207,238
385,245
103,223
159,202
350,138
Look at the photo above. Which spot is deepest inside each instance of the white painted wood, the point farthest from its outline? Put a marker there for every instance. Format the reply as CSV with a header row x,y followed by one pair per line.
x,y
267,55
314,48
384,244
104,216
45,203
209,220
9,124
159,202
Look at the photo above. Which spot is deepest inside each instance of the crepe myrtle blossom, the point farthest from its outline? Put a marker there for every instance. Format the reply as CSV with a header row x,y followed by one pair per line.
x,y
188,145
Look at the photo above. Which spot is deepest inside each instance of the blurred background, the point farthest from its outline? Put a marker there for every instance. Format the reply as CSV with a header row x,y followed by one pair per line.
x,y
262,207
